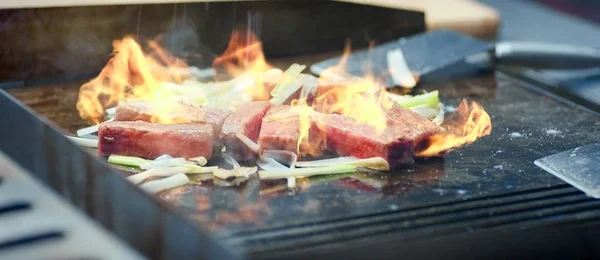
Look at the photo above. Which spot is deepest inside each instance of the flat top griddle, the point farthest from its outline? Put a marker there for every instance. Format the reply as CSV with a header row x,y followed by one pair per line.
x,y
492,183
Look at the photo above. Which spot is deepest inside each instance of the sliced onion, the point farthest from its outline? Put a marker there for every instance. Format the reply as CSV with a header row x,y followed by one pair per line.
x,y
195,169
137,178
283,95
231,161
373,182
425,111
376,163
273,75
306,172
163,157
309,86
249,143
85,142
199,160
291,182
439,118
111,111
237,172
288,78
91,129
281,115
270,164
282,156
163,163
401,74
166,183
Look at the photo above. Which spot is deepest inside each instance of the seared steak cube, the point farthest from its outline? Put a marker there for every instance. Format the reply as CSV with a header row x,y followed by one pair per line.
x,y
247,121
172,113
150,140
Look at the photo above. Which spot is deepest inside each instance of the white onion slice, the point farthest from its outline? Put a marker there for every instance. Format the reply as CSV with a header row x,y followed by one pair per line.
x,y
111,111
425,111
237,172
231,161
376,163
310,83
439,118
291,182
165,172
281,156
249,143
281,115
270,164
163,163
273,75
163,157
401,74
306,172
283,95
174,181
195,169
200,160
91,129
85,142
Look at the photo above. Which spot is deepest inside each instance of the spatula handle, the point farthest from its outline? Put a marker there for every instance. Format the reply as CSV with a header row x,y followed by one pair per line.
x,y
546,55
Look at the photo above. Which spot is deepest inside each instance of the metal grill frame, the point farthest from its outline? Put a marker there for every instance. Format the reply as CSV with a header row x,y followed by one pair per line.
x,y
149,225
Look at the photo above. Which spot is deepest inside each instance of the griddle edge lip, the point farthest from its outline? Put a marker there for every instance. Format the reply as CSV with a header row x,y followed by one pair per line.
x,y
162,209
556,91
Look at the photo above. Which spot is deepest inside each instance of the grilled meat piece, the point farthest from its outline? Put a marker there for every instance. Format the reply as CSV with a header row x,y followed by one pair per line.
x,y
246,120
395,143
172,113
150,140
283,134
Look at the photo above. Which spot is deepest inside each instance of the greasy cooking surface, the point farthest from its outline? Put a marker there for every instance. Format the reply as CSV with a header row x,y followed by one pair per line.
x,y
56,103
526,126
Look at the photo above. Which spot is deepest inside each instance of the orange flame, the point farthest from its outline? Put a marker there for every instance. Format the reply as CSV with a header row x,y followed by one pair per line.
x,y
341,93
468,123
129,74
339,71
244,55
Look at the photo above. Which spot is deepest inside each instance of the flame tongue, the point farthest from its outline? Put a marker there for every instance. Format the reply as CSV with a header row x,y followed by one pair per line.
x,y
468,123
129,74
244,55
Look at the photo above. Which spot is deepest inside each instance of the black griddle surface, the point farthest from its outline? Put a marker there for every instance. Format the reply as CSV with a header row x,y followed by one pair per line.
x,y
526,126
490,183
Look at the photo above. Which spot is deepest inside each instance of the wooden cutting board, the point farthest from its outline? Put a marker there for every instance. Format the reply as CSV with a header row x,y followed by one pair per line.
x,y
465,16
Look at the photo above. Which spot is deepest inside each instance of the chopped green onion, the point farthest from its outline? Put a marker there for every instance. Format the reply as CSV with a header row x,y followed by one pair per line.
x,y
91,129
425,111
237,172
401,74
439,118
163,163
163,172
166,183
248,142
376,163
306,172
230,160
289,77
429,99
199,160
195,169
127,160
85,142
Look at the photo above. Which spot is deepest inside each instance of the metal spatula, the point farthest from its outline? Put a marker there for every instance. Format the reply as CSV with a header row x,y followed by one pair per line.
x,y
579,167
444,54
